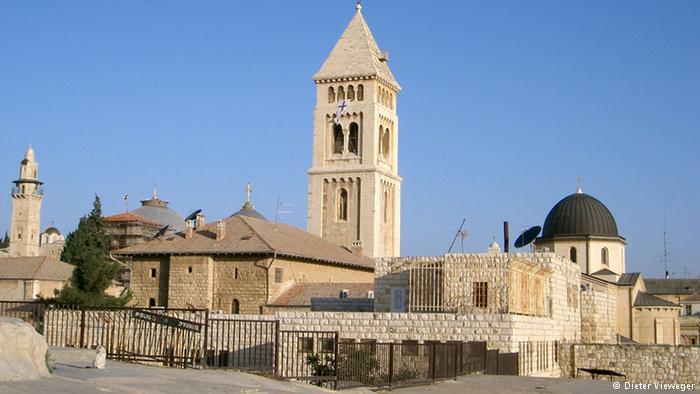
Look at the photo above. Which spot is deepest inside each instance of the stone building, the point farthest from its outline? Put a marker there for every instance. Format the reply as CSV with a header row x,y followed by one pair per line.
x,y
31,268
30,278
354,186
615,304
27,195
51,243
241,264
140,225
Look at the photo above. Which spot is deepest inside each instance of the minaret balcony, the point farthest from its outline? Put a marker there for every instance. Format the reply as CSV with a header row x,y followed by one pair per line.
x,y
17,191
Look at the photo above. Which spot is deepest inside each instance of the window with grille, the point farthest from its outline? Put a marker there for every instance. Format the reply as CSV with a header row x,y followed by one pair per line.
x,y
278,275
481,290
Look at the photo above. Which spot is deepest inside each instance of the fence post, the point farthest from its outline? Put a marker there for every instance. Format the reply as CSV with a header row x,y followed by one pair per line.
x,y
335,360
204,352
275,367
391,363
82,328
432,361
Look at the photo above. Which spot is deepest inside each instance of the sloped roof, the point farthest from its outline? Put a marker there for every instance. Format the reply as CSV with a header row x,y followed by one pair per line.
x,y
356,54
130,217
694,297
38,268
645,299
629,278
301,293
248,235
672,286
604,271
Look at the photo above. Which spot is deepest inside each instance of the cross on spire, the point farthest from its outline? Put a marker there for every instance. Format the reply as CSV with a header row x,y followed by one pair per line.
x,y
248,192
358,6
578,189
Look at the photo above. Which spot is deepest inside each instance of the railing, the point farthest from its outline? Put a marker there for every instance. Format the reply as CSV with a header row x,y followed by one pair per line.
x,y
241,344
192,338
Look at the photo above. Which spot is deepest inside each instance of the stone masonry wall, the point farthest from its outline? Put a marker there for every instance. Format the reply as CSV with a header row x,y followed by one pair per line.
x,y
641,363
599,314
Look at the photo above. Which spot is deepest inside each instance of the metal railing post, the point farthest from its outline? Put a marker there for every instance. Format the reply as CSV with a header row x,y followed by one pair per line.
x,y
82,328
391,363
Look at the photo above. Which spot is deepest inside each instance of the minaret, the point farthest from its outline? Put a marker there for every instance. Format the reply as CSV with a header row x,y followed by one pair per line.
x,y
26,209
354,186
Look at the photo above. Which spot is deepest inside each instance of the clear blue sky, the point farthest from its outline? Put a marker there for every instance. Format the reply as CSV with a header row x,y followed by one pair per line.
x,y
503,105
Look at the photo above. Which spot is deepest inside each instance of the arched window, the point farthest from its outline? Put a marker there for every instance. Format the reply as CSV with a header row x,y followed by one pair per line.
x,y
351,93
386,141
353,138
341,93
572,254
360,92
343,205
151,302
338,139
235,307
604,256
331,94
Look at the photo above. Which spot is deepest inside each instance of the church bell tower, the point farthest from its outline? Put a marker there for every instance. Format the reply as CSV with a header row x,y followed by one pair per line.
x,y
354,185
26,209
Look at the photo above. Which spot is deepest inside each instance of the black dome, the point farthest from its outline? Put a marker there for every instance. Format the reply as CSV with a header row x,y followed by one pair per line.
x,y
579,214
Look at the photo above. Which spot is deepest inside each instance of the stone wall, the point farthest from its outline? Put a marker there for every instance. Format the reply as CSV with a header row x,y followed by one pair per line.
x,y
342,304
599,313
238,279
641,363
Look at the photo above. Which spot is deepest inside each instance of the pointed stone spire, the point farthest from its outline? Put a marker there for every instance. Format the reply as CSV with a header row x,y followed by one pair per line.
x,y
30,154
356,54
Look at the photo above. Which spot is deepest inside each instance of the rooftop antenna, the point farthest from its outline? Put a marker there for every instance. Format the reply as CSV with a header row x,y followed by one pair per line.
x,y
665,247
457,234
280,209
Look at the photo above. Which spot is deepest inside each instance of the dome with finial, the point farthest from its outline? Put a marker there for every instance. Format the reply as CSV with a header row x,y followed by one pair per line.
x,y
248,209
156,210
579,214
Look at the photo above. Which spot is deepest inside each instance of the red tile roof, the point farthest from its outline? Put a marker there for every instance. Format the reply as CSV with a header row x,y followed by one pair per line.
x,y
129,217
247,235
301,293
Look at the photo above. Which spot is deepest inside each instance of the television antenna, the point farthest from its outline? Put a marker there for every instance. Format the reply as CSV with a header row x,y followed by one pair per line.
x,y
457,234
281,205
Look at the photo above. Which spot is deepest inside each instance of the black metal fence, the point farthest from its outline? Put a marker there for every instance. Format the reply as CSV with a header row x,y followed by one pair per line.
x,y
192,338
241,344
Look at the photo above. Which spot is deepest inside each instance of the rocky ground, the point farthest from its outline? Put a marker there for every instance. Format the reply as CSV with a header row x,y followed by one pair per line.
x,y
72,375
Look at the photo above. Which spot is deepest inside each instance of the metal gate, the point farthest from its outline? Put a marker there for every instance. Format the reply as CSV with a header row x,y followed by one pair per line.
x,y
308,356
241,344
473,357
170,337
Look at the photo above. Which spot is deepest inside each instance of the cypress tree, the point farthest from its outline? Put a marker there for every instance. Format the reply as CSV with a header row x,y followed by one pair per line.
x,y
88,249
5,242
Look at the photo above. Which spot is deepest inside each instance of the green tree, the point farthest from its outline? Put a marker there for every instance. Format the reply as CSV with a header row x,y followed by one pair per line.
x,y
5,242
88,249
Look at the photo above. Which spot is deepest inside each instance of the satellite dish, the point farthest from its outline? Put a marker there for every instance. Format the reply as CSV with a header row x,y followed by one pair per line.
x,y
161,232
527,236
193,215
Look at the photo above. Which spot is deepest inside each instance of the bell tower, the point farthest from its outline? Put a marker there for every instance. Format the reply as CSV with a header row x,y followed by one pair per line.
x,y
26,209
354,185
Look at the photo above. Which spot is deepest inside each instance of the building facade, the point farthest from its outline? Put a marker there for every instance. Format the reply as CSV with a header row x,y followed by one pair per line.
x,y
354,196
241,264
27,195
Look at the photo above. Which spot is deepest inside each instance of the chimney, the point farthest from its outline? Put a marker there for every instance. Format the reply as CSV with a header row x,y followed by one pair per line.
x,y
506,239
189,230
220,230
199,221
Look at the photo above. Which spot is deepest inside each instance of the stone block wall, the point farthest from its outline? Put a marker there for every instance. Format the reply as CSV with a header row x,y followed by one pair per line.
x,y
599,314
641,363
190,282
240,279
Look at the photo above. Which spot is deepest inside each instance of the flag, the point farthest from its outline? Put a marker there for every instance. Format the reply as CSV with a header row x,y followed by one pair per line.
x,y
342,105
